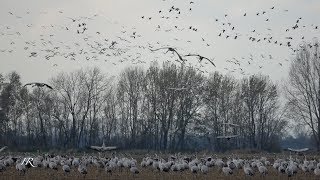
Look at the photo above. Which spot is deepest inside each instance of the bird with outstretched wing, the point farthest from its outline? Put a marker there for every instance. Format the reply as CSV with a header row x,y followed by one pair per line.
x,y
201,58
171,50
3,148
103,148
38,85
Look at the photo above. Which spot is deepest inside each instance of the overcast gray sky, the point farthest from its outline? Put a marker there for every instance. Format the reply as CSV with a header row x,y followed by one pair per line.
x,y
46,27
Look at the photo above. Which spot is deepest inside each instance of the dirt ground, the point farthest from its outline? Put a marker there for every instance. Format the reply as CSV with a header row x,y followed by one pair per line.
x,y
148,173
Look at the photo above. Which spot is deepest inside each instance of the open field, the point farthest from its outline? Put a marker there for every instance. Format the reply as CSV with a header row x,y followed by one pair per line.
x,y
149,172
214,173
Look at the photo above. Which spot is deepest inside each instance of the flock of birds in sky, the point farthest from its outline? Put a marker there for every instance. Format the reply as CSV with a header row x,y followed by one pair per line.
x,y
125,46
256,166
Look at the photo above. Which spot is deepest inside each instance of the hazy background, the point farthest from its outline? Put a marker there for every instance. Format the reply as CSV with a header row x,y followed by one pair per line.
x,y
113,16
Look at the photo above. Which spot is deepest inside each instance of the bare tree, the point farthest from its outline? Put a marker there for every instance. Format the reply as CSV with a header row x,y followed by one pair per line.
x,y
11,111
219,105
130,96
260,99
189,103
81,93
43,104
303,91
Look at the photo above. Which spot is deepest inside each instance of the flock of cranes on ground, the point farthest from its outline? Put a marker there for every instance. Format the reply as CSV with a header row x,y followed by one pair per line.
x,y
93,44
173,164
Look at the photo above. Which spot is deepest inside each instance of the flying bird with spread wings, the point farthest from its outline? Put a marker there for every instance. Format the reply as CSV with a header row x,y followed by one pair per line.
x,y
171,50
103,148
177,89
227,137
298,150
201,58
33,84
3,148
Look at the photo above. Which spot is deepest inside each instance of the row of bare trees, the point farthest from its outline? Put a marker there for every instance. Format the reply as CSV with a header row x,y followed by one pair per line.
x,y
164,107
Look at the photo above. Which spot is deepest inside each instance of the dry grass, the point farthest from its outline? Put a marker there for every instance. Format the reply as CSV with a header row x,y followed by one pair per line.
x,y
148,173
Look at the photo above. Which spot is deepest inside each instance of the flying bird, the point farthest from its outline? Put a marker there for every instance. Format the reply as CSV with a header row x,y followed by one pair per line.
x,y
169,49
103,148
3,148
177,89
38,85
298,150
201,58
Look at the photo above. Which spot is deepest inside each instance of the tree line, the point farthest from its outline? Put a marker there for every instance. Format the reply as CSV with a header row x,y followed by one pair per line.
x,y
163,107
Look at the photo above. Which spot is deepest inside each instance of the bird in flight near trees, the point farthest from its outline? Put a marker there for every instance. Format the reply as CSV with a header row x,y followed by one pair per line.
x,y
201,58
33,84
170,49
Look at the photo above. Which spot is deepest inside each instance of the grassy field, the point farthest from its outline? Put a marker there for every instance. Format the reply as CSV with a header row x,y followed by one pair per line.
x,y
149,173
93,173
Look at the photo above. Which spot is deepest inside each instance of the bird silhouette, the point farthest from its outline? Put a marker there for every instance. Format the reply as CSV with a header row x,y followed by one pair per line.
x,y
201,58
171,50
38,85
